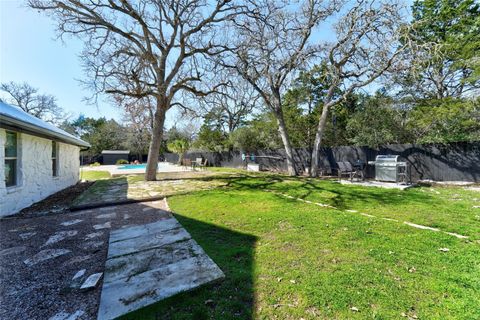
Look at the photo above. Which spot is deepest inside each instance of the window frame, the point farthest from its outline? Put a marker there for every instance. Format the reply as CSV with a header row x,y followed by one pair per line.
x,y
15,158
54,158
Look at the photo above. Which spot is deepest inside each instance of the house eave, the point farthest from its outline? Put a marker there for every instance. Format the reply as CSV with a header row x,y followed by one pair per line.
x,y
21,126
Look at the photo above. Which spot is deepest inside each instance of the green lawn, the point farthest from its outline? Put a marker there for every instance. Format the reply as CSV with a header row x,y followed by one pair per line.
x,y
285,259
94,175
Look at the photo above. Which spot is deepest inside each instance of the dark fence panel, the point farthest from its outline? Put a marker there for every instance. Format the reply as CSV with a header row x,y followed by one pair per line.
x,y
445,162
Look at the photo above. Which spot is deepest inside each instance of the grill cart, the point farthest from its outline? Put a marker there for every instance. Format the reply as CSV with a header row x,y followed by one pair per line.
x,y
389,168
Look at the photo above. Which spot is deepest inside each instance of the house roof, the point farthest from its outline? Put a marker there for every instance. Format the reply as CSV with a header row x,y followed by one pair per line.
x,y
115,151
15,118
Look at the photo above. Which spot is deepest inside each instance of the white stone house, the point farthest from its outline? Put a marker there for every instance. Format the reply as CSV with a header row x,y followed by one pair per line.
x,y
37,159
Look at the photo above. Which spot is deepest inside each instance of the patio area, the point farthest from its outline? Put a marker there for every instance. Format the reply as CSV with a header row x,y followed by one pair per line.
x,y
378,184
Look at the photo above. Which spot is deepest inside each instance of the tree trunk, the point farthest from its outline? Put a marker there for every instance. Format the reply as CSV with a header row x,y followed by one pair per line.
x,y
155,142
282,129
318,140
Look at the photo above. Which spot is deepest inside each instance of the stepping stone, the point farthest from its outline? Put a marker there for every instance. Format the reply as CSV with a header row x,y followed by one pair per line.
x,y
77,279
62,315
132,264
459,236
108,208
76,315
105,225
45,255
146,241
80,213
145,229
419,226
24,228
71,223
93,235
107,216
12,250
149,263
27,235
92,245
79,274
59,236
92,281
77,259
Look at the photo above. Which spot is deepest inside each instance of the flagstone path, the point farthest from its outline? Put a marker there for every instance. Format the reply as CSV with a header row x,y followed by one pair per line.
x,y
129,188
149,263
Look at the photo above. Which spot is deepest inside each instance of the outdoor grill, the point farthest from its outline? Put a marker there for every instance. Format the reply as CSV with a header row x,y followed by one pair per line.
x,y
389,168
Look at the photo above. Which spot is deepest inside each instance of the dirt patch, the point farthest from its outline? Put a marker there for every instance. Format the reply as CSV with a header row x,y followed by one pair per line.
x,y
56,203
40,255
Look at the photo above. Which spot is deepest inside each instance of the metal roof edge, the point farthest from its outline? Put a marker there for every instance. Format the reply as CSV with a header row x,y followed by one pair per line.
x,y
32,129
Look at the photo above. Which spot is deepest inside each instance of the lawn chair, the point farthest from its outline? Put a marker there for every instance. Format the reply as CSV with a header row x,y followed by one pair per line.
x,y
345,168
197,163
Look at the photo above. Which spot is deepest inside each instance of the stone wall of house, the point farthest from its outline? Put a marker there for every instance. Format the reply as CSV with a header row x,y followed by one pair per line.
x,y
35,180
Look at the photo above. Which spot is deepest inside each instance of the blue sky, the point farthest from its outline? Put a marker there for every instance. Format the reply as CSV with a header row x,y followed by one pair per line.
x,y
30,52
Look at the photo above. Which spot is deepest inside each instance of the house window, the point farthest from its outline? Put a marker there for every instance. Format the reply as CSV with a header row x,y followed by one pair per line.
x,y
11,150
54,158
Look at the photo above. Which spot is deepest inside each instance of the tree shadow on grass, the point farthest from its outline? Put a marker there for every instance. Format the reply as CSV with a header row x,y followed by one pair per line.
x,y
230,298
336,194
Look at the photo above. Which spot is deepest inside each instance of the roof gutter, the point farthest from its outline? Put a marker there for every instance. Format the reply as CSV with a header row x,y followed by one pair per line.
x,y
15,124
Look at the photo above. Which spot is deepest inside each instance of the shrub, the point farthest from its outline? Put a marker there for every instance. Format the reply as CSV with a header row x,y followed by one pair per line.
x,y
179,146
95,164
121,161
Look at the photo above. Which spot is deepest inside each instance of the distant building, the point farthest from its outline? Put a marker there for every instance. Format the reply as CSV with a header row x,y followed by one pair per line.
x,y
112,156
37,159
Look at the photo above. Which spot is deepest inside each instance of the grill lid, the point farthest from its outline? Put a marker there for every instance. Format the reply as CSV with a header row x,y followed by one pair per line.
x,y
386,158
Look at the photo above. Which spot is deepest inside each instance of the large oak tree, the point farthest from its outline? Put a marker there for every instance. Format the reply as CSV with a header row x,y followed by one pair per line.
x,y
370,37
271,45
144,48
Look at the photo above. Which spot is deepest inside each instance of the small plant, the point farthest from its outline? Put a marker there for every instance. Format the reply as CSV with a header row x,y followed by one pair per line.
x,y
95,164
121,161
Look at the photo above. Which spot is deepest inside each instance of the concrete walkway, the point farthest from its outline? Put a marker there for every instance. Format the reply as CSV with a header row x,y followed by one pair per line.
x,y
378,184
149,263
124,189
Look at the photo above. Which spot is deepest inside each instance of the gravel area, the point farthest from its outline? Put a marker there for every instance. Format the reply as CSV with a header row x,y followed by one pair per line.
x,y
40,255
56,203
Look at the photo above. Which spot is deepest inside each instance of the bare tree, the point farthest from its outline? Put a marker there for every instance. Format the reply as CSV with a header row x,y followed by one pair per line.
x,y
367,46
138,117
232,104
27,98
144,48
272,44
